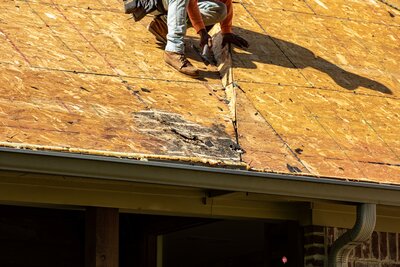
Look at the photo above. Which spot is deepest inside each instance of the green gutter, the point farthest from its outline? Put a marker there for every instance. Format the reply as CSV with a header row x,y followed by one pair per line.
x,y
117,169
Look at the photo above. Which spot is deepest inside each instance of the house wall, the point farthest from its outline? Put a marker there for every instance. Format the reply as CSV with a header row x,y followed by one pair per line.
x,y
381,250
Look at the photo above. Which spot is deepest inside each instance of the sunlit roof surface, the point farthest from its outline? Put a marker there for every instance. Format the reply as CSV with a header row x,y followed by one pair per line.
x,y
316,93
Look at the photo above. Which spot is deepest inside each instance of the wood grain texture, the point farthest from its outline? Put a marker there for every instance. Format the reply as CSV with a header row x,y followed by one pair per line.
x,y
318,89
316,93
84,77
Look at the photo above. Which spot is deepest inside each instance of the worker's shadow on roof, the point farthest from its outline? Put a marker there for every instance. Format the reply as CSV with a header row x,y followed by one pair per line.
x,y
270,50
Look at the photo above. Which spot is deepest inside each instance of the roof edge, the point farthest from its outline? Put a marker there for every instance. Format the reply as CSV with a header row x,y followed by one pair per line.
x,y
166,173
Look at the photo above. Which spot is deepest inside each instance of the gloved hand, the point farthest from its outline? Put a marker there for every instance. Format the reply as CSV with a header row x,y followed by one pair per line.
x,y
205,38
231,38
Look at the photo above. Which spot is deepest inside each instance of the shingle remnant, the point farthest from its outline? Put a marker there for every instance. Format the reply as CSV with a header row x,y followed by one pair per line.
x,y
177,136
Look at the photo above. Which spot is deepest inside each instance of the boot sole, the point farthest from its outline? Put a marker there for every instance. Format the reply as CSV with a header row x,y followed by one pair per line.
x,y
186,75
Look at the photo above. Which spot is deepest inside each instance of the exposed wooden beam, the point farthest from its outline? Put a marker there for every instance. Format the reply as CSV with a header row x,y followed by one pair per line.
x,y
102,237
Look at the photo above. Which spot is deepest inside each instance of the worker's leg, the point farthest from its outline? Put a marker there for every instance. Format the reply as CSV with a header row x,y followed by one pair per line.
x,y
175,49
176,22
212,11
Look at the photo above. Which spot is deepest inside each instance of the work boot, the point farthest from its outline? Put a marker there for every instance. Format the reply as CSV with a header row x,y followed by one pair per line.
x,y
181,64
159,29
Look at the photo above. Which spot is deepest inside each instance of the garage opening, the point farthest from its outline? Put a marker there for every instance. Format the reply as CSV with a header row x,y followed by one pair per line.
x,y
54,237
162,241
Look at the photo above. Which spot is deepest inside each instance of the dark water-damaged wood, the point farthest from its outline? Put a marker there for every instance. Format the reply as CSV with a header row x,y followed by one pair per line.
x,y
316,93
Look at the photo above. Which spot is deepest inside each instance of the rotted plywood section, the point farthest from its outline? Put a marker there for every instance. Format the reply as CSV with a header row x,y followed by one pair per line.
x,y
316,93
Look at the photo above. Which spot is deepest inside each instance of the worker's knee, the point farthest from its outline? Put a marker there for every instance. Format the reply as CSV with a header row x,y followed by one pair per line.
x,y
221,11
212,11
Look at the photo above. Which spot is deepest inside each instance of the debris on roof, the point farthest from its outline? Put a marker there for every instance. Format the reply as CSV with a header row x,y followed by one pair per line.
x,y
316,93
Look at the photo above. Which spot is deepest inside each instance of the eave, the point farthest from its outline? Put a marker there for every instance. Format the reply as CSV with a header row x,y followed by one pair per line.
x,y
166,173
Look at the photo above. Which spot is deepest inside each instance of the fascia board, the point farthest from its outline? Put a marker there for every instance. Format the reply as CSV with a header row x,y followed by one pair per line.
x,y
118,169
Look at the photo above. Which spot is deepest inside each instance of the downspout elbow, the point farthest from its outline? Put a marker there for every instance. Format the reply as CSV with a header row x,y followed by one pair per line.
x,y
361,231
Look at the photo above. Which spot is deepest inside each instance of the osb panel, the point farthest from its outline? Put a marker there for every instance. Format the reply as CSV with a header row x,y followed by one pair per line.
x,y
93,112
9,54
299,6
340,168
387,173
327,87
373,11
273,155
316,93
306,49
284,111
83,77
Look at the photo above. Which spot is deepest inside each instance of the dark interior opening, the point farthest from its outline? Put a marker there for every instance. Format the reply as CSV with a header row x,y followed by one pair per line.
x,y
199,242
39,237
223,243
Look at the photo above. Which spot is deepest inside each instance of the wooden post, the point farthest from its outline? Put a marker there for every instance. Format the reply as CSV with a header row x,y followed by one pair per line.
x,y
102,237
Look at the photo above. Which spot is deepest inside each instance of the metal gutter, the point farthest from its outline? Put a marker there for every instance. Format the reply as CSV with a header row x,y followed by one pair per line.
x,y
117,169
361,232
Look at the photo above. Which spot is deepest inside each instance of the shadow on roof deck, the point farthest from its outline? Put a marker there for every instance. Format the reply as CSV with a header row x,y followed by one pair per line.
x,y
291,55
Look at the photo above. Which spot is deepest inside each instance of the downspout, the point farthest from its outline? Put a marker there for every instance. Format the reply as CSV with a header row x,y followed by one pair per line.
x,y
362,231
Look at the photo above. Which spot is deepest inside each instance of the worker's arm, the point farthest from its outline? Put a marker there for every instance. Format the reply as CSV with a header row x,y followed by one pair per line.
x,y
226,24
226,28
195,16
198,24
